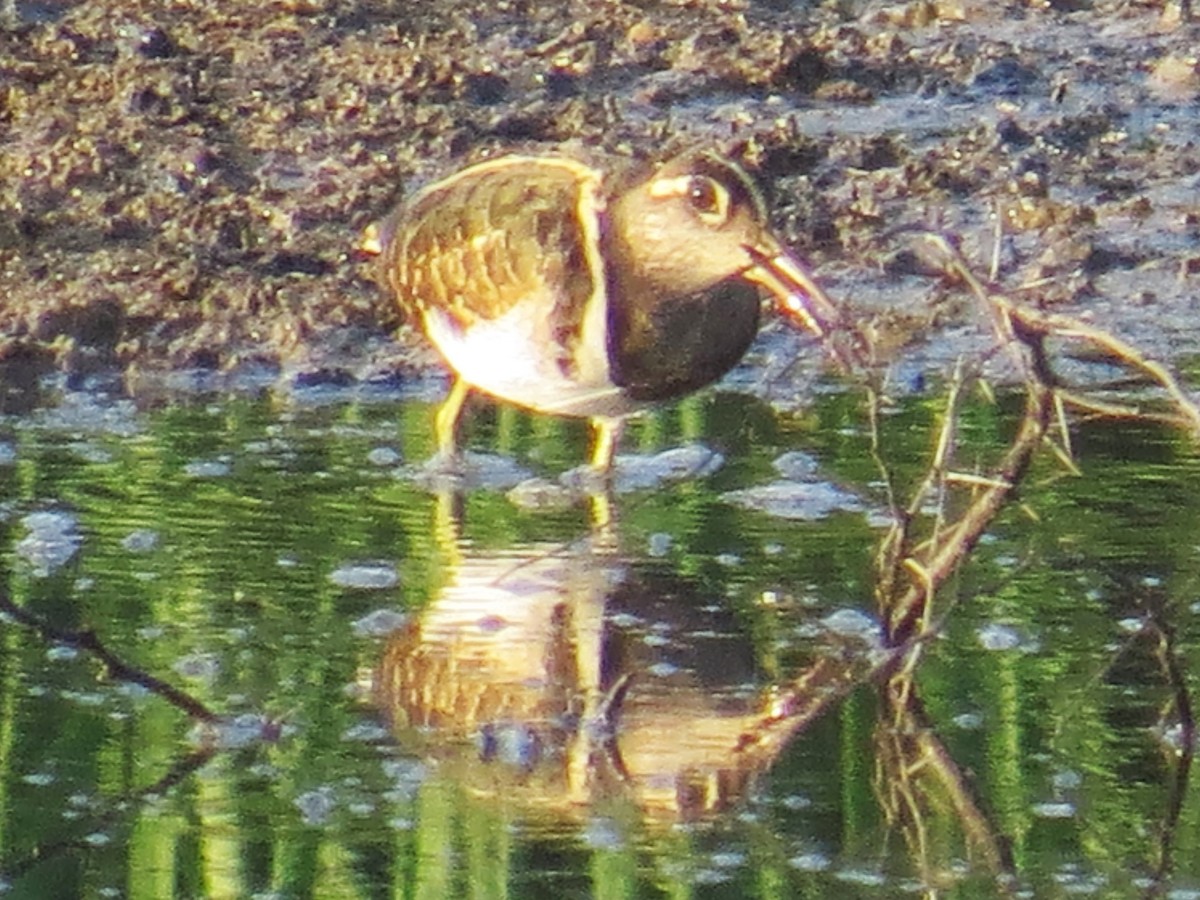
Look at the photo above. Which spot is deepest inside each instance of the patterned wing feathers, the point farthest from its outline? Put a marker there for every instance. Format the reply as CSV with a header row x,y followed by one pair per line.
x,y
478,243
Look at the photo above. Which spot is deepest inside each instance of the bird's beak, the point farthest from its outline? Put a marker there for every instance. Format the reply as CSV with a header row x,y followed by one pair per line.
x,y
799,297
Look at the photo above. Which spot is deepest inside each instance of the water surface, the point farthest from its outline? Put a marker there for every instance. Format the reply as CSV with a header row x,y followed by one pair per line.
x,y
385,689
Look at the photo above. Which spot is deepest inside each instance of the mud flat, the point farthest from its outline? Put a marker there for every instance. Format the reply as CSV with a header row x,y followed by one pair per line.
x,y
182,185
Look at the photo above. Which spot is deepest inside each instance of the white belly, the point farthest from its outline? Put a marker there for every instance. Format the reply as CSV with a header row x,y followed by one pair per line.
x,y
517,358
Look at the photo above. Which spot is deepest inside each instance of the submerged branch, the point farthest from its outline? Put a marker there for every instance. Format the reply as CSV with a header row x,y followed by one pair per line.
x,y
87,640
1022,331
914,767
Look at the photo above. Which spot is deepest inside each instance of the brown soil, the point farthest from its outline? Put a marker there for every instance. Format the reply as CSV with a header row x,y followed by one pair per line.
x,y
183,183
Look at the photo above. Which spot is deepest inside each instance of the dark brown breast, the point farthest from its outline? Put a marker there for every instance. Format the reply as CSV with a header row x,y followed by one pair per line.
x,y
675,345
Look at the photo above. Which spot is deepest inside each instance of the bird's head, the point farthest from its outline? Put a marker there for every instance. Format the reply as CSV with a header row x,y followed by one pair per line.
x,y
699,220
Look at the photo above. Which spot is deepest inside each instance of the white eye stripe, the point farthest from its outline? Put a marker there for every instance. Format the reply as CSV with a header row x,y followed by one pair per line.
x,y
686,187
662,188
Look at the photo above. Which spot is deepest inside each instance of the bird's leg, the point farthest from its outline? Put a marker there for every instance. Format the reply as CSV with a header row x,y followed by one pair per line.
x,y
607,435
445,423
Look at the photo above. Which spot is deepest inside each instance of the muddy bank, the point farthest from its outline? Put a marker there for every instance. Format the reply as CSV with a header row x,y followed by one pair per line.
x,y
182,185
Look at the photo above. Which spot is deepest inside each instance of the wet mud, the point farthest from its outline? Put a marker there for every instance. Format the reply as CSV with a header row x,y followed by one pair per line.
x,y
183,184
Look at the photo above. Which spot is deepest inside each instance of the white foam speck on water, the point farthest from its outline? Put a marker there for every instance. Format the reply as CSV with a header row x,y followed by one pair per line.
x,y
795,500
207,468
142,540
51,539
379,623
374,576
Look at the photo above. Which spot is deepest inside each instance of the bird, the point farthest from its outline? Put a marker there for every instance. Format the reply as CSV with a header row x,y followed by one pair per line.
x,y
590,289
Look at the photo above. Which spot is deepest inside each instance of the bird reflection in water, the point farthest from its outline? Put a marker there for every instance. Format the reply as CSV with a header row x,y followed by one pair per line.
x,y
564,676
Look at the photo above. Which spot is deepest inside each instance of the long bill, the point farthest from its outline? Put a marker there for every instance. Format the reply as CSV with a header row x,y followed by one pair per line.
x,y
802,300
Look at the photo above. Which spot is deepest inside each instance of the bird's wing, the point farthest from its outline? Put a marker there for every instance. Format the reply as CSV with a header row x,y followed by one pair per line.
x,y
477,243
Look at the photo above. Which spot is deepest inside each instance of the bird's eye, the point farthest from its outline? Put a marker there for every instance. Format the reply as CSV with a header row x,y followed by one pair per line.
x,y
709,199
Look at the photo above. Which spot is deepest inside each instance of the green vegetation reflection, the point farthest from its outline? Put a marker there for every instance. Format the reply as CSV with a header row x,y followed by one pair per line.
x,y
211,536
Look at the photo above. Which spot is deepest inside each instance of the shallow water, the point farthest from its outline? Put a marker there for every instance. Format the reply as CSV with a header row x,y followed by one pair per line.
x,y
421,695
253,647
